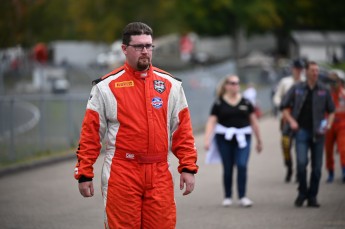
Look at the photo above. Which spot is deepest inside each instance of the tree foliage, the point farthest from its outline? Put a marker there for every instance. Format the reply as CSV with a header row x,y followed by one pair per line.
x,y
27,22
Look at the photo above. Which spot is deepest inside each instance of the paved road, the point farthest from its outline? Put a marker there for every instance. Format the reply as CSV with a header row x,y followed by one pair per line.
x,y
47,197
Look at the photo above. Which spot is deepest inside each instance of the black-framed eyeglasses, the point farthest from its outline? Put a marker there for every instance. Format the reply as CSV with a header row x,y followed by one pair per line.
x,y
232,83
140,47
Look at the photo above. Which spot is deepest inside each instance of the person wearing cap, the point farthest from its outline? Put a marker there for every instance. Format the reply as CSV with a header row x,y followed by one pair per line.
x,y
283,86
336,134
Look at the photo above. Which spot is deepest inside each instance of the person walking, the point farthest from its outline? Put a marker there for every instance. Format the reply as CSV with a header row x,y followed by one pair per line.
x,y
286,136
304,107
230,125
143,114
336,134
250,94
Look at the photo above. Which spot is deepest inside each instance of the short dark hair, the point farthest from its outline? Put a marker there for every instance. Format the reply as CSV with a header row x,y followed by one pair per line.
x,y
135,28
309,63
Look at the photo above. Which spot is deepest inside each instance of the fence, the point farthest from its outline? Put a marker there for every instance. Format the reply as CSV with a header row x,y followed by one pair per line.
x,y
31,125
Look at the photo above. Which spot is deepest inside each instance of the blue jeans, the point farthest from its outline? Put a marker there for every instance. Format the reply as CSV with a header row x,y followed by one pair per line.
x,y
304,142
231,154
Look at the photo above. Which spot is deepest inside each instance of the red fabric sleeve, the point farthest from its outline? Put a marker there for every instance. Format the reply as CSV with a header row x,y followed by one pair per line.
x,y
89,145
183,145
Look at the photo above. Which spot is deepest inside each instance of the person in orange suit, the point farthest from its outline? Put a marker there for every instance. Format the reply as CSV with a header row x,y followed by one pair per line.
x,y
142,113
336,135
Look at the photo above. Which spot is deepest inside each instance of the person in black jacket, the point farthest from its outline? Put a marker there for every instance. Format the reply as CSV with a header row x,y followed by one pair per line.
x,y
305,107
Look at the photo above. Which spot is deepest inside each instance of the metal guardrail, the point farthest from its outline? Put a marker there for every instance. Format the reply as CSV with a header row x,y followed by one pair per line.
x,y
39,124
35,124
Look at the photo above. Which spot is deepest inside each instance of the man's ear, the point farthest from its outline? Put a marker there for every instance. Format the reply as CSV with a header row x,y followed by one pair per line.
x,y
124,48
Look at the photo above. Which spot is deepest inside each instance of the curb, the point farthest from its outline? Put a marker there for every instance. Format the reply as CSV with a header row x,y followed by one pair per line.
x,y
13,169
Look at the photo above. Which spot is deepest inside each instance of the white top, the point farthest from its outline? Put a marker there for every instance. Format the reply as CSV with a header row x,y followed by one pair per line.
x,y
283,87
250,94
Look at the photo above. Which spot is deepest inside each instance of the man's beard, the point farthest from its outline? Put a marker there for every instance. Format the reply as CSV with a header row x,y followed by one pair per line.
x,y
143,63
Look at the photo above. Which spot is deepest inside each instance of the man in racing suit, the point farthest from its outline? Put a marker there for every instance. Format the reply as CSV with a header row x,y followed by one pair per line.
x,y
143,114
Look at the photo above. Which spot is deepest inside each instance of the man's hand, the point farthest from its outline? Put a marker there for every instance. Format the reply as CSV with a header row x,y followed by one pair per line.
x,y
86,189
189,180
292,122
294,125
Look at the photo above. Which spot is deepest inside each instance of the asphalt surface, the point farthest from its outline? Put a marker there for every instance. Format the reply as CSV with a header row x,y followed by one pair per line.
x,y
48,197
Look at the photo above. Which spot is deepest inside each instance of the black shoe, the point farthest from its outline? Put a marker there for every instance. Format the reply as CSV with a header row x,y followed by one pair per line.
x,y
313,203
299,201
288,175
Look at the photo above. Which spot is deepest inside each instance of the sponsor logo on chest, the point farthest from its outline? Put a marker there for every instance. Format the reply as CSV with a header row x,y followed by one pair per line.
x,y
299,92
157,102
243,107
321,92
129,83
159,86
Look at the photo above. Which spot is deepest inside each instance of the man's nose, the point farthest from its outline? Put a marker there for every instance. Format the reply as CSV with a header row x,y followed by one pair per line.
x,y
144,49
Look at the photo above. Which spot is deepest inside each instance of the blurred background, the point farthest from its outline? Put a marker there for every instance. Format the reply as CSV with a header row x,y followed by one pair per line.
x,y
51,50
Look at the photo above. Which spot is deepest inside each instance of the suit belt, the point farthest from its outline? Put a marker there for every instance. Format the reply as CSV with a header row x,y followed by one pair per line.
x,y
140,157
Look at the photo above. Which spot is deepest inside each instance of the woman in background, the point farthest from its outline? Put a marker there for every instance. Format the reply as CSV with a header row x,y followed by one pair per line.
x,y
230,124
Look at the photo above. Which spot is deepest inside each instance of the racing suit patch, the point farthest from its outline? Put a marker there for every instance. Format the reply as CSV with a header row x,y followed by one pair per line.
x,y
157,102
129,155
159,86
129,83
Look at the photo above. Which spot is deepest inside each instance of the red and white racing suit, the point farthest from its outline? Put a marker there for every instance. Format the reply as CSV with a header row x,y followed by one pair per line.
x,y
143,116
336,135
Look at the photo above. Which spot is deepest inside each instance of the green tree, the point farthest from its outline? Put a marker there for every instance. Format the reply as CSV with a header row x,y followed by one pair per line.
x,y
26,22
219,17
